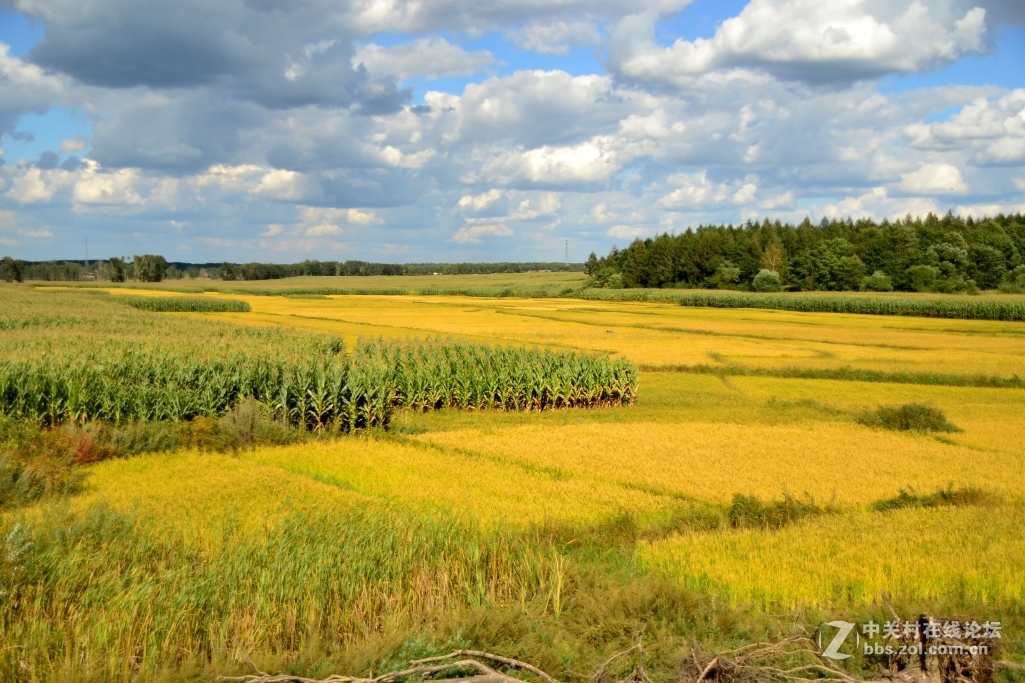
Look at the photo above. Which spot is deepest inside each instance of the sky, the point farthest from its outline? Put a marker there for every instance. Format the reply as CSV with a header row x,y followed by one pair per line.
x,y
491,130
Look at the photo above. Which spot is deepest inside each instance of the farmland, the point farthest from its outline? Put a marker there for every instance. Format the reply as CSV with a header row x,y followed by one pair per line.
x,y
551,535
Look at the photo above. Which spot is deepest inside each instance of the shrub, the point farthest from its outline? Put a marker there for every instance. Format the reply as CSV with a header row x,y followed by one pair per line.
x,y
907,498
908,417
766,281
751,512
877,282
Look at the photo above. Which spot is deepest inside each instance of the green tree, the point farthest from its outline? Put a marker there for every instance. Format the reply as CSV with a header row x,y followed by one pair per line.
x,y
831,265
988,266
12,270
635,270
117,269
150,268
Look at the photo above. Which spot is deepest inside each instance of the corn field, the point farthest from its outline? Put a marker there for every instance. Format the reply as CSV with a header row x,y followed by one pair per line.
x,y
185,304
966,308
345,391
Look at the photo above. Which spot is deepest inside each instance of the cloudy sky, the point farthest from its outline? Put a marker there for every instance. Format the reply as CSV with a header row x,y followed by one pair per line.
x,y
451,130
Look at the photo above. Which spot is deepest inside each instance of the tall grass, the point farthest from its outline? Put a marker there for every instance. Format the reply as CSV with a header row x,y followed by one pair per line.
x,y
115,596
968,309
185,304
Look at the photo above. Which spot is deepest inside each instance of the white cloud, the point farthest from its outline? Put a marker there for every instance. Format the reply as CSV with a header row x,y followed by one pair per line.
x,y
806,40
289,186
479,202
427,57
590,162
629,232
107,188
932,179
473,233
555,38
273,230
37,234
993,129
75,143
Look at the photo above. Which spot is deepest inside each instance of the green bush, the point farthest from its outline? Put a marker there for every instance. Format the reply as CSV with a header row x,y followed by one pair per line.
x,y
766,281
750,512
877,282
907,498
908,417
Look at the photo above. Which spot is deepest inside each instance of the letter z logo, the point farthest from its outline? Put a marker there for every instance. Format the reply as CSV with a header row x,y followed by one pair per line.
x,y
833,649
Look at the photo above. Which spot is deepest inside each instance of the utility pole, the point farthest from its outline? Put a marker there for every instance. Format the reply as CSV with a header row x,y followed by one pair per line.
x,y
86,262
567,251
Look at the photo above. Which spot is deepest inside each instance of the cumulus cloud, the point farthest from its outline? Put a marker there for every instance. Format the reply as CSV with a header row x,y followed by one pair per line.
x,y
427,57
933,179
585,164
555,38
804,40
994,129
75,143
474,233
286,116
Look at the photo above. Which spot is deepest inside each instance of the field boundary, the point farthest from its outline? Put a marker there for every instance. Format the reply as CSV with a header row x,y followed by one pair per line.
x,y
847,374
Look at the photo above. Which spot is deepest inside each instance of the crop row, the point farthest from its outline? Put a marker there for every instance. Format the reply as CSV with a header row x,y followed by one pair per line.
x,y
185,304
968,309
345,392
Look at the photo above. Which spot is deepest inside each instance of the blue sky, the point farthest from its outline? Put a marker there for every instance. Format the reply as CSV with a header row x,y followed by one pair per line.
x,y
445,131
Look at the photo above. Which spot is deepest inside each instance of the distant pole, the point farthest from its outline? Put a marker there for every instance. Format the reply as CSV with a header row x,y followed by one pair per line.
x,y
86,263
567,251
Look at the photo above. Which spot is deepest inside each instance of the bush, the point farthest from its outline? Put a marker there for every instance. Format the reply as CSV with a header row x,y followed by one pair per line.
x,y
750,512
36,464
907,498
877,282
766,281
908,417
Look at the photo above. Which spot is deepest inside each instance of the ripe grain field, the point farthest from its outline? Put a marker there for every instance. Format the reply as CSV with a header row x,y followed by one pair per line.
x,y
522,526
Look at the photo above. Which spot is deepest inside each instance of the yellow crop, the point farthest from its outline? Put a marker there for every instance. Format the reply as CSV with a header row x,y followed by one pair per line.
x,y
952,555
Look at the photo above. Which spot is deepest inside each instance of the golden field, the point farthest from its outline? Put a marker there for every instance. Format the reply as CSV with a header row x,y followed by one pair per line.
x,y
690,439
662,335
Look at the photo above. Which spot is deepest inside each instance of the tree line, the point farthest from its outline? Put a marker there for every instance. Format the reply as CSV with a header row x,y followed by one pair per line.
x,y
930,254
154,268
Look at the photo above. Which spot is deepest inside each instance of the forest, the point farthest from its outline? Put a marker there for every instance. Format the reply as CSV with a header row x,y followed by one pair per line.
x,y
930,254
